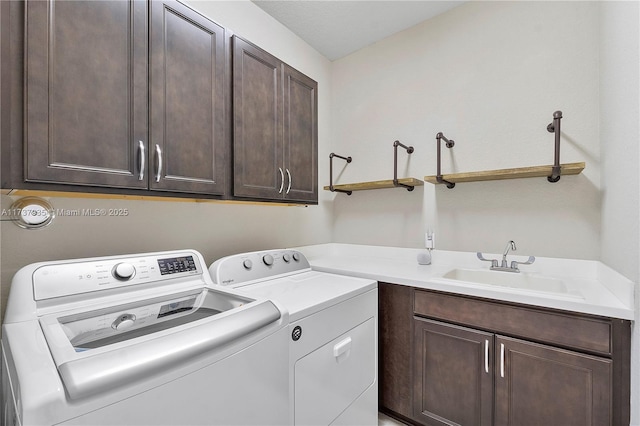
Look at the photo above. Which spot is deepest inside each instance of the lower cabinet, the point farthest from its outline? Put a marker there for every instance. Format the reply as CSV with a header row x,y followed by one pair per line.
x,y
542,385
463,376
447,359
452,381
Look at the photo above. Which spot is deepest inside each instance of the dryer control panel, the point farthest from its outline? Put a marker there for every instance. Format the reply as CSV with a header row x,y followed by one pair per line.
x,y
65,279
246,268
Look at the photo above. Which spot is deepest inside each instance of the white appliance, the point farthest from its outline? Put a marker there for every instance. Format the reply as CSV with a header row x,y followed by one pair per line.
x,y
140,339
333,333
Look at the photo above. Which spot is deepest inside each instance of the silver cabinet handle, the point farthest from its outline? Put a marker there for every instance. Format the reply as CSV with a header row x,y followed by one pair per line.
x,y
288,186
141,160
486,355
159,160
281,180
501,359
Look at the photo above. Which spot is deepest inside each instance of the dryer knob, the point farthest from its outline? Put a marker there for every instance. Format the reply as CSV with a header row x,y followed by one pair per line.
x,y
248,264
267,259
296,256
286,257
124,271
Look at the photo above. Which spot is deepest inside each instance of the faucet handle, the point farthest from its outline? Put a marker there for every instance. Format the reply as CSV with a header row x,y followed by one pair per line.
x,y
494,262
514,263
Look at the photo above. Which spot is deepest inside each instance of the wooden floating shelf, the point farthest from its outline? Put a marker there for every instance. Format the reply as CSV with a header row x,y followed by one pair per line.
x,y
502,174
378,184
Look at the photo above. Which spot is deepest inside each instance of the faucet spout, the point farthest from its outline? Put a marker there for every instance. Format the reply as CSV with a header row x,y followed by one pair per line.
x,y
511,245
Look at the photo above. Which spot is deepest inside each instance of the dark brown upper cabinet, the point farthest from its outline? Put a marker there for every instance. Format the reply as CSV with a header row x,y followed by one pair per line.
x,y
187,92
275,111
86,92
92,79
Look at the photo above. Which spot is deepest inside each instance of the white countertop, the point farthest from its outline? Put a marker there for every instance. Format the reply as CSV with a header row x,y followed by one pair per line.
x,y
593,288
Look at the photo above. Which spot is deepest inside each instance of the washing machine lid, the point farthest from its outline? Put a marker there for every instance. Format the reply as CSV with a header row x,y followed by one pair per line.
x,y
306,293
101,349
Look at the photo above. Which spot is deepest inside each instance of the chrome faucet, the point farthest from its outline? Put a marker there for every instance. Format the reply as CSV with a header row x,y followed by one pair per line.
x,y
504,266
511,245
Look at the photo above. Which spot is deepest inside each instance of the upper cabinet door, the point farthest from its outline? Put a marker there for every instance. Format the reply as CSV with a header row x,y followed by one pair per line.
x,y
187,84
257,113
300,136
275,112
86,92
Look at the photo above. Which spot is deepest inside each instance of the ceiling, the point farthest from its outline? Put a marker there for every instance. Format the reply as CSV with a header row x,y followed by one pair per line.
x,y
336,28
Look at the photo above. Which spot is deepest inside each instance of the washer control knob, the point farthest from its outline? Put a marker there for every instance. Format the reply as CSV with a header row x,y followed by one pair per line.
x,y
123,322
267,259
296,256
286,257
124,271
248,264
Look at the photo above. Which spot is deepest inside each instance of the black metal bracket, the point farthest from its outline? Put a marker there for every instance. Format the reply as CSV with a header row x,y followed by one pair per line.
x,y
331,188
554,127
409,150
449,144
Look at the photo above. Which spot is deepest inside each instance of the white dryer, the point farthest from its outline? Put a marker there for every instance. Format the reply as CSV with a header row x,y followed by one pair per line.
x,y
141,339
332,333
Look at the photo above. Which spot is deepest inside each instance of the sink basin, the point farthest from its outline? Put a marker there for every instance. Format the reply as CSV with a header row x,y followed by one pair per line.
x,y
522,280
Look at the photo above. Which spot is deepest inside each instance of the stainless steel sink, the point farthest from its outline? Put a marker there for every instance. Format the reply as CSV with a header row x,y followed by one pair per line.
x,y
522,281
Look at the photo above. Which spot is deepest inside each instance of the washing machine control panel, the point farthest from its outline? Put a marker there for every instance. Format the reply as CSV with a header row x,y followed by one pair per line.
x,y
244,269
65,279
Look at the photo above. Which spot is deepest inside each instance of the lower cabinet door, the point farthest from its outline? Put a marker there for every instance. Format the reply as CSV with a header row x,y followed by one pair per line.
x,y
542,385
453,374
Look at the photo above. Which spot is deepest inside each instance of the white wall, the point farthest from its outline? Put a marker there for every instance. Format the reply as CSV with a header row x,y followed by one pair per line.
x,y
488,75
620,140
213,229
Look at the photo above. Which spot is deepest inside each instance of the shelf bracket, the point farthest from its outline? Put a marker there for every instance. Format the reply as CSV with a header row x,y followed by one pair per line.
x,y
409,150
554,127
331,188
449,143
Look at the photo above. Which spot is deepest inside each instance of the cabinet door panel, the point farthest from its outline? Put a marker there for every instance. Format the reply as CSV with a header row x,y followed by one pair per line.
x,y
543,385
187,100
394,360
257,111
86,92
452,384
300,136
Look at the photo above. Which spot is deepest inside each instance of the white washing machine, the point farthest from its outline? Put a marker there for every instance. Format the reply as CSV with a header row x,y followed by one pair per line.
x,y
140,340
332,333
